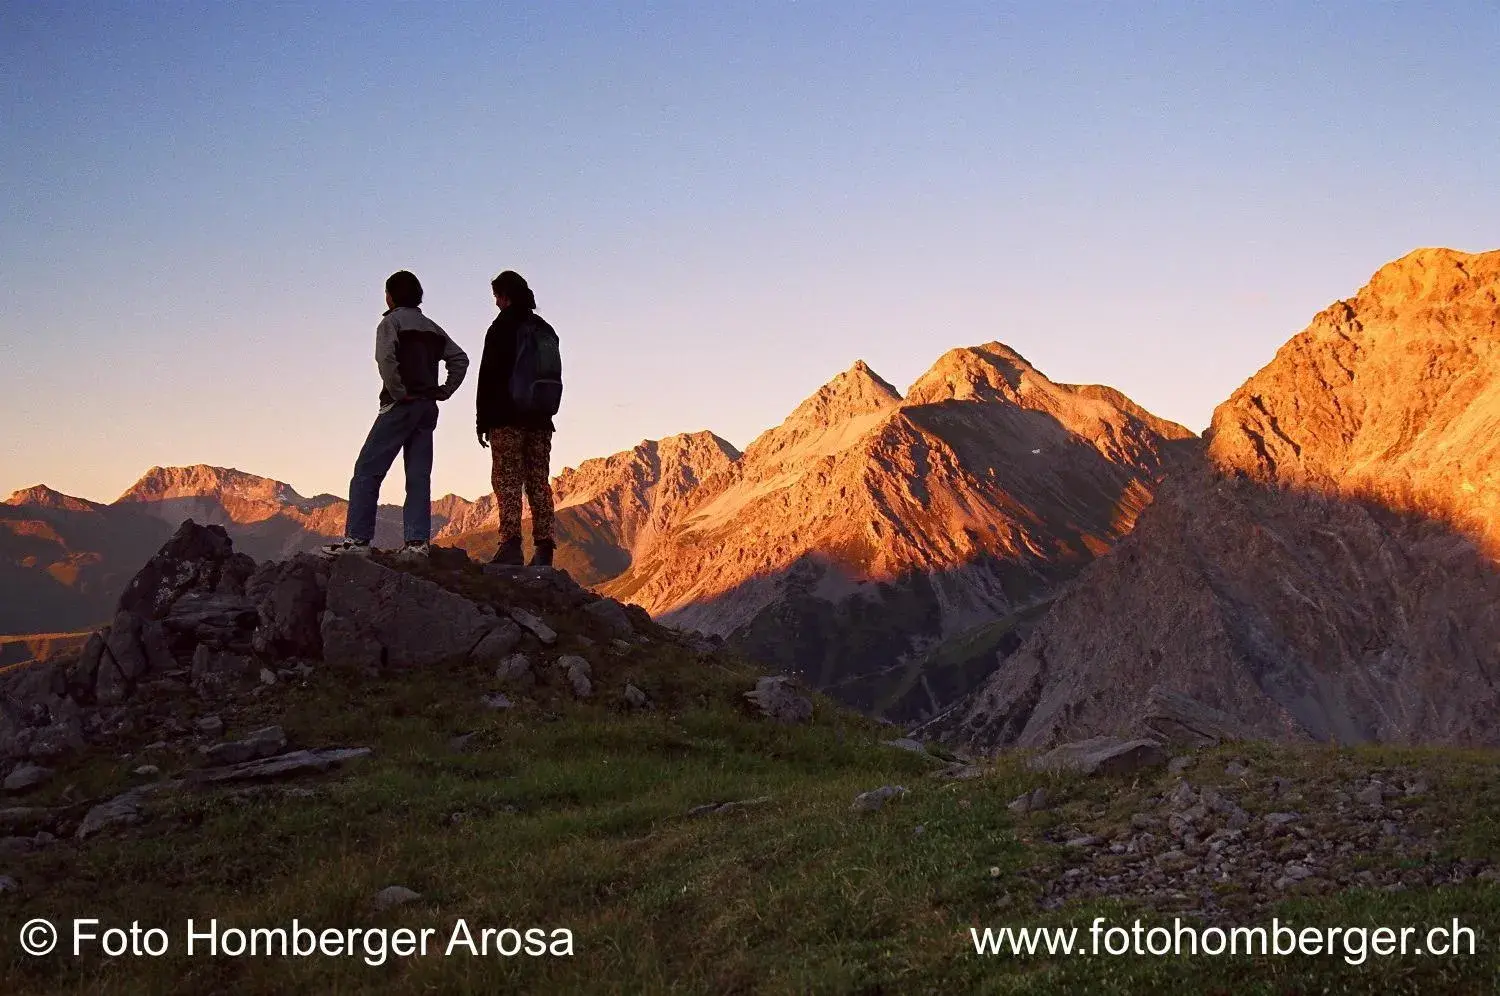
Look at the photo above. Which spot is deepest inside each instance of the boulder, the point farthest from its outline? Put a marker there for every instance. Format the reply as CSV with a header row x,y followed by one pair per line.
x,y
124,646
289,597
111,687
1028,802
416,623
720,808
875,799
27,777
84,675
193,559
1102,756
157,646
297,762
776,696
534,626
515,672
579,675
394,895
125,809
217,672
1173,718
224,621
261,743
347,644
235,574
907,744
610,617
497,644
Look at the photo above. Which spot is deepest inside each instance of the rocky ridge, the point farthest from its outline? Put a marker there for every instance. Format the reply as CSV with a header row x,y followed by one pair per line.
x,y
867,528
1326,571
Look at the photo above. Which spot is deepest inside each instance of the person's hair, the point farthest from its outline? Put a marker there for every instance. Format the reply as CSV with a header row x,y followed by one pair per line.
x,y
512,285
404,288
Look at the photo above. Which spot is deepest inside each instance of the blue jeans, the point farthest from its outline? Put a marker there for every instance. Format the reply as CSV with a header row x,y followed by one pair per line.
x,y
406,428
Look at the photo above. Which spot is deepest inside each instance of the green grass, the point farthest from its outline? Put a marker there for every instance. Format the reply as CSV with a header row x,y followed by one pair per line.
x,y
574,815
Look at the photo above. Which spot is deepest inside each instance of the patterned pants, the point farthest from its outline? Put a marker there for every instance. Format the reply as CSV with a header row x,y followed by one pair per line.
x,y
519,461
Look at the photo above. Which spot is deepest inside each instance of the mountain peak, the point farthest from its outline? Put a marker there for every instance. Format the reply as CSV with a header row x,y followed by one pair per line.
x,y
1462,286
201,480
693,444
991,371
1390,395
855,392
41,496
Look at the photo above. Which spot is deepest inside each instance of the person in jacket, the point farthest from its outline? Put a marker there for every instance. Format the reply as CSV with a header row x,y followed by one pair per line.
x,y
520,444
408,348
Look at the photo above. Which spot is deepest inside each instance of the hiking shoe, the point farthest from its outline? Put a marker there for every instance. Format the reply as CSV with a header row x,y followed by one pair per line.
x,y
509,554
415,551
542,555
360,548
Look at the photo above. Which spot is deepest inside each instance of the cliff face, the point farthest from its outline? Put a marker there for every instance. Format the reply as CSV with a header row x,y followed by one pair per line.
x,y
1328,570
1393,396
867,528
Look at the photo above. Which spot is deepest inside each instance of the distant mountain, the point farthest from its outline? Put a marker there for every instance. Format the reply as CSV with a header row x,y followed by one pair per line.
x,y
609,509
268,519
1327,569
857,538
63,560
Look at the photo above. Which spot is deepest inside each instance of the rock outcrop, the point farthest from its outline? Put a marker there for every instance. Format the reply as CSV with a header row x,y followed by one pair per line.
x,y
379,616
1327,571
201,619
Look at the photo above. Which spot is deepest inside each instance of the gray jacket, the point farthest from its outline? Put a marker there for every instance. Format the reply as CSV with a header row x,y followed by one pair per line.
x,y
408,348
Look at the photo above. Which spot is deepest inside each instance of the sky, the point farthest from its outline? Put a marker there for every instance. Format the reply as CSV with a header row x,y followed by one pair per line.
x,y
719,206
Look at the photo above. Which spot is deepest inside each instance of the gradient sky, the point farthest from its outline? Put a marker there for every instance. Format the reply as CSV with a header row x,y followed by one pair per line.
x,y
720,206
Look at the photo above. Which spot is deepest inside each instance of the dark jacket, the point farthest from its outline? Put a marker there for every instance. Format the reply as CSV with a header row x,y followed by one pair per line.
x,y
408,348
493,407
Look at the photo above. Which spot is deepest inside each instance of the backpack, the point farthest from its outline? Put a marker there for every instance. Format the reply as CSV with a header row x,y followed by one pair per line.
x,y
536,379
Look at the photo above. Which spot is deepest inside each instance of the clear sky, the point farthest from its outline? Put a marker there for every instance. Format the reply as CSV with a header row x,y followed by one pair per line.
x,y
720,206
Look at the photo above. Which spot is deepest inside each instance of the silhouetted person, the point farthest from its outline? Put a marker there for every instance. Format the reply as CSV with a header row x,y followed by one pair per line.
x,y
520,387
408,349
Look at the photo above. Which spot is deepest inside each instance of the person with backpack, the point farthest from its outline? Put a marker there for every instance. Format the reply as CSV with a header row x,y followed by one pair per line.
x,y
520,389
408,348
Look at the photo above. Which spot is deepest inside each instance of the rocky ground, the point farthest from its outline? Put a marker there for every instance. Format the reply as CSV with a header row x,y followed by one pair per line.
x,y
1223,841
205,641
370,743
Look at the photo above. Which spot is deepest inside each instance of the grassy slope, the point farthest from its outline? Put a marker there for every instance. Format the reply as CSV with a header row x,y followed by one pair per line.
x,y
567,814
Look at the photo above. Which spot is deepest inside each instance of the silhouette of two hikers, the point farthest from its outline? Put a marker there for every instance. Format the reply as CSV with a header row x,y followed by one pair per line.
x,y
520,389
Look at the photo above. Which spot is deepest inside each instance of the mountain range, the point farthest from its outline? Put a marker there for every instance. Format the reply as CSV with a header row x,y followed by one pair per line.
x,y
846,544
1011,559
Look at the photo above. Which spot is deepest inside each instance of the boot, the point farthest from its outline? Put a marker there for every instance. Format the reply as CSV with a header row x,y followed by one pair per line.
x,y
542,555
509,554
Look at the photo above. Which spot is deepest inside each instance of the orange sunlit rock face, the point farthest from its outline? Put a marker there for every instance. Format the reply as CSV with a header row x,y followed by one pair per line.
x,y
1327,571
974,495
1393,395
